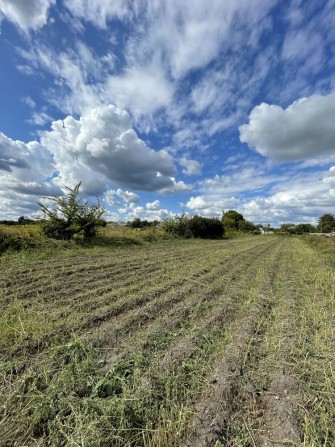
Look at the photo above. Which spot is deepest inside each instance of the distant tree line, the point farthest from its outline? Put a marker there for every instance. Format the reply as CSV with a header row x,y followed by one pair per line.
x,y
326,224
20,221
138,224
71,217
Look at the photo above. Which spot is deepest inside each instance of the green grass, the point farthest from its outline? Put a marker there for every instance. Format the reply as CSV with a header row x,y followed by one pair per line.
x,y
116,345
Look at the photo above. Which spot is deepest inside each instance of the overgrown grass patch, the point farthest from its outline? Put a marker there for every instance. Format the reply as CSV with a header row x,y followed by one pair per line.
x,y
21,325
315,347
114,347
63,400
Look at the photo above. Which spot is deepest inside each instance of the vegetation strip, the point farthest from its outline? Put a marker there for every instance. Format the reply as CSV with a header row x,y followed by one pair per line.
x,y
213,411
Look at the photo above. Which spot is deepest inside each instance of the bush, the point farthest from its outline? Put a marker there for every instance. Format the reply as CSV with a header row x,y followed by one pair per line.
x,y
206,228
196,226
71,217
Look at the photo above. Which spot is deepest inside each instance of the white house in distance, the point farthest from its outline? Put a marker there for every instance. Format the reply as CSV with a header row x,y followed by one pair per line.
x,y
264,231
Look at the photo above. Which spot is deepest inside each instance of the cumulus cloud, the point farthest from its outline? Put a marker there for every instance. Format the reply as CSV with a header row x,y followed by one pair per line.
x,y
303,130
176,187
111,199
197,203
153,205
99,148
146,214
303,199
191,167
211,204
25,172
298,197
26,14
128,197
103,145
25,161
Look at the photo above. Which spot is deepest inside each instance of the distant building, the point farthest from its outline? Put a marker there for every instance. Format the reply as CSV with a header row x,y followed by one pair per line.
x,y
264,231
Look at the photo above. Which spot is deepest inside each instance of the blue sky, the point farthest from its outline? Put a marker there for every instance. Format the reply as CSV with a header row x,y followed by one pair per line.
x,y
161,107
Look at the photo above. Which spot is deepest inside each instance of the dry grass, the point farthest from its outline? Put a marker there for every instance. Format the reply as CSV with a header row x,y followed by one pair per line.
x,y
117,345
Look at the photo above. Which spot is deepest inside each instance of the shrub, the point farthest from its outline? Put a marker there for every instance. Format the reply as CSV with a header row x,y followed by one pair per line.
x,y
196,226
206,228
71,217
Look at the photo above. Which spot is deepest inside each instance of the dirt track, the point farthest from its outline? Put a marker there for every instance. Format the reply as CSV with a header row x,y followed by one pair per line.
x,y
214,330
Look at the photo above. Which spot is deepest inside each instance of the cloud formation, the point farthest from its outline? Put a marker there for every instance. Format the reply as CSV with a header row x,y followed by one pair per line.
x,y
191,167
102,146
26,14
303,130
153,205
25,176
98,12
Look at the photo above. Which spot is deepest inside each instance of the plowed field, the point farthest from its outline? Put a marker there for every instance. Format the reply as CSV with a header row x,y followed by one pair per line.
x,y
192,343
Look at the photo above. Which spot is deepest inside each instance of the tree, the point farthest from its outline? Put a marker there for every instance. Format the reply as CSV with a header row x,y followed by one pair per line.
x,y
247,227
232,220
326,223
288,228
71,217
304,228
24,220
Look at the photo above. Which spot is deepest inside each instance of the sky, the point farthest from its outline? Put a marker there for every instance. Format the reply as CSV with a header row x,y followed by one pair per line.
x,y
163,107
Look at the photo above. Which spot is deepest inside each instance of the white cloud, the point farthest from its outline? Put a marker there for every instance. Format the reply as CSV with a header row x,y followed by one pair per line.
x,y
298,197
176,187
192,167
39,119
197,203
167,42
26,14
242,177
211,205
78,75
98,148
302,200
311,56
25,171
25,161
29,102
146,214
190,34
128,197
143,90
102,146
99,12
111,199
153,205
304,130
